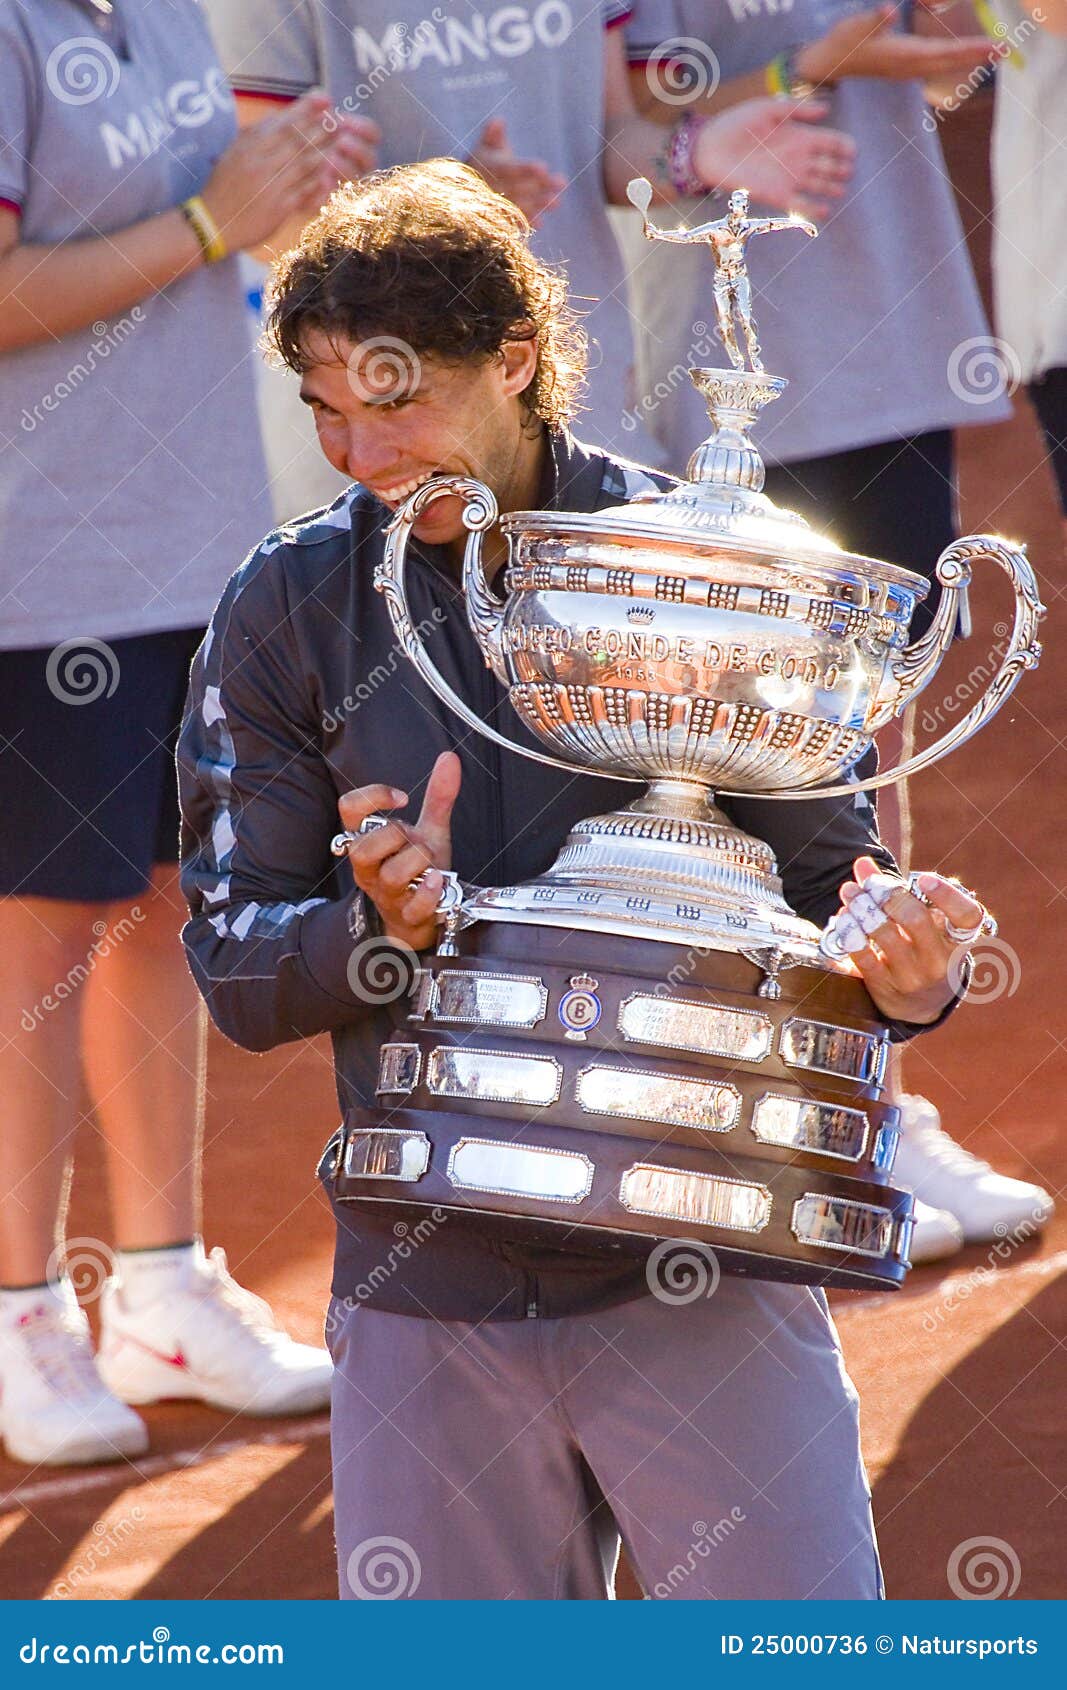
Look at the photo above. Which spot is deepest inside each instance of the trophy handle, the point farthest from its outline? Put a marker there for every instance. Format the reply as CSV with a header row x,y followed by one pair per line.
x,y
918,663
483,611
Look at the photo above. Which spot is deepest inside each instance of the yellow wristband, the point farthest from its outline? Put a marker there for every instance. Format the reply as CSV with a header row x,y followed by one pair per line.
x,y
204,228
782,75
775,76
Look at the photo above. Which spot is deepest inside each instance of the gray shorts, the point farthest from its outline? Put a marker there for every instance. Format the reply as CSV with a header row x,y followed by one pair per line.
x,y
719,1439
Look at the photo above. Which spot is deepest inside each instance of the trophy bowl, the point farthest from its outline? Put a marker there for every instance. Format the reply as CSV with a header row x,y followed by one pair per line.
x,y
723,661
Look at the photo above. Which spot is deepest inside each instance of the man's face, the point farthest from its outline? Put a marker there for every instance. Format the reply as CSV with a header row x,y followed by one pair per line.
x,y
390,419
738,205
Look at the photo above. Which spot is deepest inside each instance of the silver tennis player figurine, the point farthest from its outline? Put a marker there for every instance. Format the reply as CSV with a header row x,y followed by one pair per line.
x,y
726,237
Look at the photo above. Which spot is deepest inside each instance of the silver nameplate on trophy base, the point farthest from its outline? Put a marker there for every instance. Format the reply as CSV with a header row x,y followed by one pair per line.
x,y
838,1223
421,995
386,1153
490,1000
492,1076
398,1068
902,1240
798,1124
684,1025
705,1199
673,1100
520,1170
834,1050
884,1153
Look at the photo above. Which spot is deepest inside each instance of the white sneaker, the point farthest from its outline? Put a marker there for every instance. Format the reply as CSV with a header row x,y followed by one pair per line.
x,y
936,1234
204,1336
987,1205
54,1406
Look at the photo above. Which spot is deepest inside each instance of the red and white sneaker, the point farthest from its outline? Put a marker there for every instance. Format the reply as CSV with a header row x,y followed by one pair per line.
x,y
54,1406
201,1335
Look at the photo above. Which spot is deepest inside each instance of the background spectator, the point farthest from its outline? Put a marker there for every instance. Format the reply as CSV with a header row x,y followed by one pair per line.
x,y
131,482
1030,211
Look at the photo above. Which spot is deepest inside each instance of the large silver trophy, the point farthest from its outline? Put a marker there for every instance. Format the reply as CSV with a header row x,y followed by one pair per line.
x,y
646,1043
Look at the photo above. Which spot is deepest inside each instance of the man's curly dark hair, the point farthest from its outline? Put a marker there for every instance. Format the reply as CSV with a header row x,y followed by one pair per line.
x,y
429,255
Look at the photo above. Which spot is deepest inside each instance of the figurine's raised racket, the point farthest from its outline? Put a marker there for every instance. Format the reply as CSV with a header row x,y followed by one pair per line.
x,y
639,194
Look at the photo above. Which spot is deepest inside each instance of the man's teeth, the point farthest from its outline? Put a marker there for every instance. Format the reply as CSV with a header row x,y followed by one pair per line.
x,y
396,495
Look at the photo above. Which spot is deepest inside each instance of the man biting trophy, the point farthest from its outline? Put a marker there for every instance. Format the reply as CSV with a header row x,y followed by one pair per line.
x,y
588,1025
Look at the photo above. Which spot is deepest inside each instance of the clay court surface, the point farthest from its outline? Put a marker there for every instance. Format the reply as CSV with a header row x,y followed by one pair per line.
x,y
962,1373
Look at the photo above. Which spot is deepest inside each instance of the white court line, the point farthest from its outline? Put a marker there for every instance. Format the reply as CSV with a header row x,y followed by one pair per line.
x,y
135,1472
981,1276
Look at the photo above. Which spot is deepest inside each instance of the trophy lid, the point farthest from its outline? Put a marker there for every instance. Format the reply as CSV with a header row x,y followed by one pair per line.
x,y
663,523
721,505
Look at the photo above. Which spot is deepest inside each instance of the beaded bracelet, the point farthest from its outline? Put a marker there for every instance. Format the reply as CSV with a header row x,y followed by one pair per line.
x,y
680,169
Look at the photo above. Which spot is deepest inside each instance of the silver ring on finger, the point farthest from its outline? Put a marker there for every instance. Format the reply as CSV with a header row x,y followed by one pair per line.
x,y
916,890
984,929
342,842
451,894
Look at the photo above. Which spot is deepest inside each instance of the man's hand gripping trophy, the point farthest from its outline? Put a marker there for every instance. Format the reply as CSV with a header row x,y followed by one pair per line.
x,y
726,236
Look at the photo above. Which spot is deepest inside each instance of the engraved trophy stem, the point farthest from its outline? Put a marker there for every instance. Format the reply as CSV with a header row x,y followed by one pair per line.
x,y
680,799
728,457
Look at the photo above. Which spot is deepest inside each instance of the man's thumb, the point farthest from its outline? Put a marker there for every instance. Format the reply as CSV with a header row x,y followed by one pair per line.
x,y
495,134
442,790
